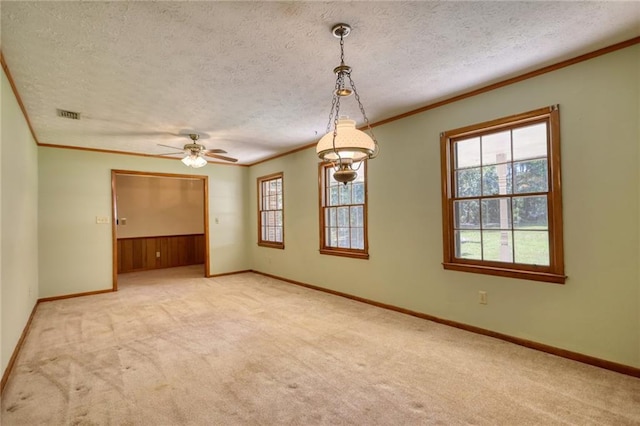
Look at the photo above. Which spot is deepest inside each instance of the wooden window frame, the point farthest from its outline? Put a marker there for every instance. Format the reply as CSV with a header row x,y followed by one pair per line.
x,y
553,273
323,170
260,181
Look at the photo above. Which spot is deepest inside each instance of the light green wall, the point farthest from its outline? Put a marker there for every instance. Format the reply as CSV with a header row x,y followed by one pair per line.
x,y
75,187
18,223
597,311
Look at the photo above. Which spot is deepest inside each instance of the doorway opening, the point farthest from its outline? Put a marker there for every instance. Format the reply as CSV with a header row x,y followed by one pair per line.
x,y
159,220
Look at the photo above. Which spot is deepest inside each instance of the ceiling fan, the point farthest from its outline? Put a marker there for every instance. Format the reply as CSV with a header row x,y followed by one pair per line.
x,y
195,152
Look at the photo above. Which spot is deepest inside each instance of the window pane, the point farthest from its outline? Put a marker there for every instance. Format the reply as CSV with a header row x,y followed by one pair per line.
x,y
496,213
467,214
278,237
468,183
279,201
273,202
530,212
263,233
358,193
467,153
496,179
530,142
497,246
531,176
343,216
345,194
496,148
331,237
334,196
357,216
357,238
279,218
343,238
330,217
468,245
531,247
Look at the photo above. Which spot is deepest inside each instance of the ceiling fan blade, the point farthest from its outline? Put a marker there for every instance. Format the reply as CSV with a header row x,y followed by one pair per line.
x,y
172,147
172,153
214,151
221,157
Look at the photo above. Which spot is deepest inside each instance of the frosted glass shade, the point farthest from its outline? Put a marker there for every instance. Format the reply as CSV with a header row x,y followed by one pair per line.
x,y
351,143
194,161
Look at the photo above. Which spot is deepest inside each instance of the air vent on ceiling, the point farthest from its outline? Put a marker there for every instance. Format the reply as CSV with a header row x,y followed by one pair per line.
x,y
69,114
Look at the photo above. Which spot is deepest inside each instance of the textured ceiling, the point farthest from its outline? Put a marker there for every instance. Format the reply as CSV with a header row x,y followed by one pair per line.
x,y
256,77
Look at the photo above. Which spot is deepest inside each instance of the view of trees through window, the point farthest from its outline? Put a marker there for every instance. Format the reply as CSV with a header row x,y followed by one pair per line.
x,y
500,196
343,212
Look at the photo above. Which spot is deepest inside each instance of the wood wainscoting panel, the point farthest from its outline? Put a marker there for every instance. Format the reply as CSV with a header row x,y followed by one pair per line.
x,y
140,254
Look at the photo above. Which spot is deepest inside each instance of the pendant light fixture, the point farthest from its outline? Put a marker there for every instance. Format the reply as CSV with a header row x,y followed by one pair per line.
x,y
345,146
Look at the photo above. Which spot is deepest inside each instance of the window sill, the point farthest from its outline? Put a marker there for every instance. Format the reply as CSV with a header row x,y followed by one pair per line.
x,y
271,245
345,253
507,272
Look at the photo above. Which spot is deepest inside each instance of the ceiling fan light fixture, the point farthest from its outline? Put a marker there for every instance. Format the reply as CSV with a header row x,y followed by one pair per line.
x,y
345,146
194,160
195,153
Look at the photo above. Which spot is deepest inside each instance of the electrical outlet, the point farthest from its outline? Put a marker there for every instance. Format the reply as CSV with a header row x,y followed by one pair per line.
x,y
157,254
102,219
482,297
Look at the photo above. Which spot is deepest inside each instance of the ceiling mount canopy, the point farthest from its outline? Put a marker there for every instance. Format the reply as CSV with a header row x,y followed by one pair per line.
x,y
346,147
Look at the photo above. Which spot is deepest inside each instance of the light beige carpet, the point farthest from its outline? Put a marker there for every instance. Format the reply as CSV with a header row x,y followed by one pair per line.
x,y
173,348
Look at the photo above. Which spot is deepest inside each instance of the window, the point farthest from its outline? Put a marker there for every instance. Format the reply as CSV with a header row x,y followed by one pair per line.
x,y
343,214
271,211
501,198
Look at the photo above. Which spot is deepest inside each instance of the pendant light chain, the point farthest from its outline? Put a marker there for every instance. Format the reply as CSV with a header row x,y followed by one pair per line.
x,y
357,96
335,127
364,114
335,103
334,114
334,100
347,150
